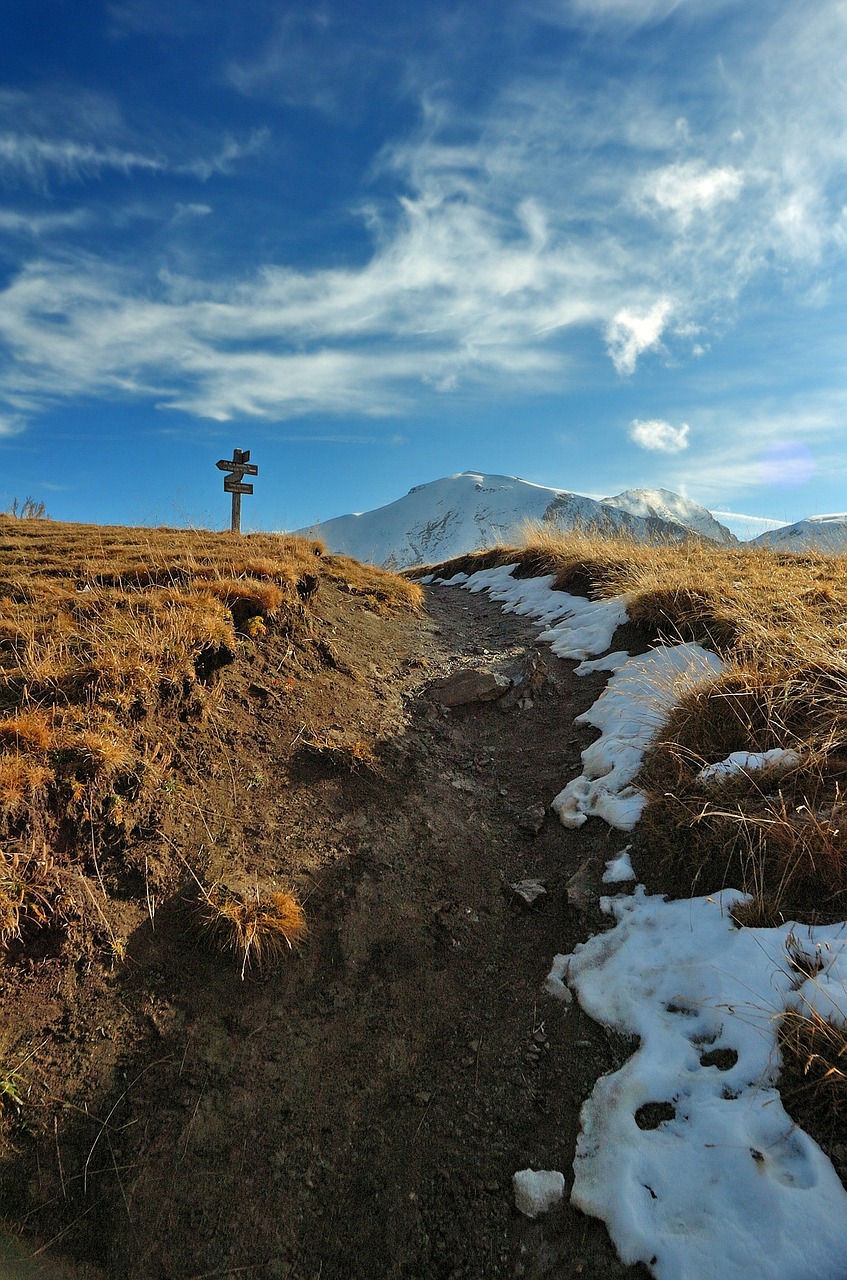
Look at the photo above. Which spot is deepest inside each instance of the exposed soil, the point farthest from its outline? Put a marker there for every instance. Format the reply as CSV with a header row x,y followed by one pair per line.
x,y
359,1111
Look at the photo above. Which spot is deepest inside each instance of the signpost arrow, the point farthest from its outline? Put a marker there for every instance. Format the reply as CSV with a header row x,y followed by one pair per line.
x,y
246,468
231,485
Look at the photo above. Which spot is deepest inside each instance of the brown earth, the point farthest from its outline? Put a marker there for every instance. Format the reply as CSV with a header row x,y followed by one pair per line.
x,y
360,1110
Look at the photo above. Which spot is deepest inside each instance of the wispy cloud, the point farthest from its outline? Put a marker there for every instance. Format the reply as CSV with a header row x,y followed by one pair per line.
x,y
567,206
34,225
690,187
32,160
769,452
631,333
57,137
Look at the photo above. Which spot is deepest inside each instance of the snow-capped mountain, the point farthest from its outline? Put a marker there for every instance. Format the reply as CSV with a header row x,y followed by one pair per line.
x,y
815,533
665,505
461,513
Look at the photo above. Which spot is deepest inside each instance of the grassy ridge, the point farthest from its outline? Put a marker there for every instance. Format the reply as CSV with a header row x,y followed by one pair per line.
x,y
108,636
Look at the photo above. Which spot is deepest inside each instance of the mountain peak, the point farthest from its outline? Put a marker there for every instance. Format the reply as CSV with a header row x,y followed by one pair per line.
x,y
663,504
464,512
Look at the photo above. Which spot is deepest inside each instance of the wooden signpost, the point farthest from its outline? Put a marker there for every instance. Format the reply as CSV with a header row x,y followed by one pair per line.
x,y
239,467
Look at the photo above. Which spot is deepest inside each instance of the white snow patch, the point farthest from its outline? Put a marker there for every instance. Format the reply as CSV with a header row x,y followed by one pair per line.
x,y
619,869
609,662
728,1186
589,627
629,713
538,1191
576,627
747,762
556,984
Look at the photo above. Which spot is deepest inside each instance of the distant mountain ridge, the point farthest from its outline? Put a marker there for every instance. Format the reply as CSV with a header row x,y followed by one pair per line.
x,y
815,533
460,513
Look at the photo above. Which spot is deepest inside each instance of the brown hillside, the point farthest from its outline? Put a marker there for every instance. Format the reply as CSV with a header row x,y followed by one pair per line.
x,y
269,1006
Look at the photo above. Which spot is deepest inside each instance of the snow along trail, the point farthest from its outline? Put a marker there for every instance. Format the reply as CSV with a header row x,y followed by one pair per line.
x,y
718,1180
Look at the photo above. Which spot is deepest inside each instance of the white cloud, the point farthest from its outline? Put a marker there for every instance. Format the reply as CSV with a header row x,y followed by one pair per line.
x,y
628,12
184,211
747,527
659,436
631,333
40,224
514,234
690,187
33,159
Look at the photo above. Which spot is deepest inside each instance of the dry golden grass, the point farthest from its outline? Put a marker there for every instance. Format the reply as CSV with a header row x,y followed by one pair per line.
x,y
27,890
259,928
348,755
814,1064
108,636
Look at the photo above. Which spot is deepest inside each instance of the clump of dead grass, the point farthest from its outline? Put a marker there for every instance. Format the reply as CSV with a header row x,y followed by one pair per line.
x,y
339,752
259,927
814,1065
27,890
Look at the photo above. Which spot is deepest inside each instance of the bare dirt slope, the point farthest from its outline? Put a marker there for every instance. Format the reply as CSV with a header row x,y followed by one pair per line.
x,y
358,1112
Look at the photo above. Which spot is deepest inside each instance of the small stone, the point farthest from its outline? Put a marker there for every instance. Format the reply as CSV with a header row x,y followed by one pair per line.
x,y
539,1037
537,1191
423,1099
464,687
580,888
528,891
531,819
527,684
473,1045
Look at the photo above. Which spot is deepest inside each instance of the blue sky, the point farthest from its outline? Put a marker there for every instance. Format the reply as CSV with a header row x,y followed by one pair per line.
x,y
595,243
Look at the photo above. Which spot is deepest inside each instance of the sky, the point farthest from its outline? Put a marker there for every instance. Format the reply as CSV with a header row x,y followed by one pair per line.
x,y
598,244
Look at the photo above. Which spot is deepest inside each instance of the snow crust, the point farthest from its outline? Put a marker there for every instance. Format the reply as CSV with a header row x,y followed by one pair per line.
x,y
629,713
537,1191
748,762
619,869
728,1186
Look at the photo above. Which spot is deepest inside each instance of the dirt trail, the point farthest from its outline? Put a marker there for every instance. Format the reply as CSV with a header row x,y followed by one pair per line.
x,y
359,1114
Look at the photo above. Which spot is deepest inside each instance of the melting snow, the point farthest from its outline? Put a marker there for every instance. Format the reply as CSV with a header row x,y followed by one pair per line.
x,y
727,1185
629,713
713,1178
748,762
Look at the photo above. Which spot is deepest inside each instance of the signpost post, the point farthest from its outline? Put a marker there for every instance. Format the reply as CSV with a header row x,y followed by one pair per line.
x,y
239,466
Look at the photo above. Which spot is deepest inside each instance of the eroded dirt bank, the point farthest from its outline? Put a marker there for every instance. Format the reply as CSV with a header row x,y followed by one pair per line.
x,y
360,1112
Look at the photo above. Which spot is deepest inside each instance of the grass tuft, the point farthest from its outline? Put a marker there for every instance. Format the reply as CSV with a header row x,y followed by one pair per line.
x,y
814,1064
259,928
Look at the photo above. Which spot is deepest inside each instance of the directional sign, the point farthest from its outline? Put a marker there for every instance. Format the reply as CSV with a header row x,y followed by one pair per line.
x,y
238,467
246,468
